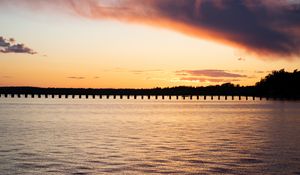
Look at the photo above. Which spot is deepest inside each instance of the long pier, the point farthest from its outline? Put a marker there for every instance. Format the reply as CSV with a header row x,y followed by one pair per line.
x,y
141,97
177,93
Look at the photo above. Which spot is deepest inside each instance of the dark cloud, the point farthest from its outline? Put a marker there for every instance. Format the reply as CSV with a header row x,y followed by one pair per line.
x,y
76,78
8,46
254,25
18,48
12,40
210,73
3,42
265,27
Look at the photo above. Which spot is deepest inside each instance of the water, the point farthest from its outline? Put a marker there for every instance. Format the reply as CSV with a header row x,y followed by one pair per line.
x,y
93,136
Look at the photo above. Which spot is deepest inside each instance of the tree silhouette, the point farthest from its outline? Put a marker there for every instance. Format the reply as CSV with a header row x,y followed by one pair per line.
x,y
280,84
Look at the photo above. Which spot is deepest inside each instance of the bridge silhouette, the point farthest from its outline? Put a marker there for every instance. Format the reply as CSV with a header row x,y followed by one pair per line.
x,y
157,97
185,93
142,97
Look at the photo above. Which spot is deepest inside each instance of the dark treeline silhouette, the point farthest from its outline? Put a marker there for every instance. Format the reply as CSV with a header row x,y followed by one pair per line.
x,y
278,84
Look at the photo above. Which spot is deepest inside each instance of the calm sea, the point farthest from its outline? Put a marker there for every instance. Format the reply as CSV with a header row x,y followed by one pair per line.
x,y
100,136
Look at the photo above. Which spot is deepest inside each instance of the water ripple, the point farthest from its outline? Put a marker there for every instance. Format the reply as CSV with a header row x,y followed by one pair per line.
x,y
149,137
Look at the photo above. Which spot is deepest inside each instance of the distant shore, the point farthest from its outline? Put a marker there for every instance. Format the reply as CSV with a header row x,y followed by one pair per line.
x,y
279,84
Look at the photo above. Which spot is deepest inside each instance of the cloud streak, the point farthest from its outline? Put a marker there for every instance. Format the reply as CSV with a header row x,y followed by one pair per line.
x,y
76,78
213,80
210,73
139,72
8,46
253,25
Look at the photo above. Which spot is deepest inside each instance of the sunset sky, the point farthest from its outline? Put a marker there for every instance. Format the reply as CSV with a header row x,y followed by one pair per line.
x,y
145,44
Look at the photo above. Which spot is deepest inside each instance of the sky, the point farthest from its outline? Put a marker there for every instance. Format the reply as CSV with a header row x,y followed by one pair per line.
x,y
146,44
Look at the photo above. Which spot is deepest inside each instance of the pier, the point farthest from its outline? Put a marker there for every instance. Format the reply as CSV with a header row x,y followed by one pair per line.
x,y
134,97
176,93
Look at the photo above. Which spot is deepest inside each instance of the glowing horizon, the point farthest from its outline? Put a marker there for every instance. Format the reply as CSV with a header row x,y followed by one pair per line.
x,y
71,44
